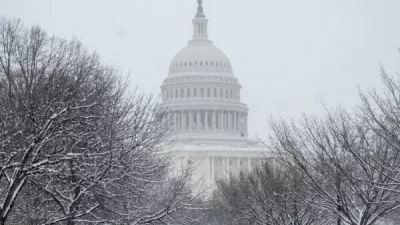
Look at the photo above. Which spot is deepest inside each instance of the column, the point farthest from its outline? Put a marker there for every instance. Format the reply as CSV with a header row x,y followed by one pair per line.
x,y
213,124
238,121
206,120
175,121
234,121
245,123
211,159
229,121
222,120
183,120
198,120
241,122
190,119
229,165
224,168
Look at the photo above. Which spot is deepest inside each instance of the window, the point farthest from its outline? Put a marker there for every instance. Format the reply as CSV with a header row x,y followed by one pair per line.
x,y
231,93
226,93
220,93
195,92
188,92
215,92
201,63
201,92
176,93
182,93
208,92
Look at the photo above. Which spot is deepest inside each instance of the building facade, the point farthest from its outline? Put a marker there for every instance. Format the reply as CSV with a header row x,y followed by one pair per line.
x,y
201,102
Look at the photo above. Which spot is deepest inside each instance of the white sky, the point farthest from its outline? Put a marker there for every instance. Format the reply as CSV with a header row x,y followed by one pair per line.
x,y
289,55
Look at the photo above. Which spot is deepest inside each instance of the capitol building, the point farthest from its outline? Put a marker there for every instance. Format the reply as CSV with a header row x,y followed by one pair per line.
x,y
201,102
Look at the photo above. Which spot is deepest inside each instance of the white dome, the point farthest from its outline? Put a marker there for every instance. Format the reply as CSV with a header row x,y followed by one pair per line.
x,y
200,95
200,56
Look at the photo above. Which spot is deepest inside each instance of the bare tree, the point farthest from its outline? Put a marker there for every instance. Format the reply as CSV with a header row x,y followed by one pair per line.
x,y
76,147
270,195
341,159
219,212
380,112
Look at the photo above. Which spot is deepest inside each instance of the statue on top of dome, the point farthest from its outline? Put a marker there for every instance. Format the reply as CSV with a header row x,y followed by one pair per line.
x,y
200,13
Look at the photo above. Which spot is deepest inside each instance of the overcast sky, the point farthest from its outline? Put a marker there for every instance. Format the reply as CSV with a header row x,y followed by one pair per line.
x,y
289,56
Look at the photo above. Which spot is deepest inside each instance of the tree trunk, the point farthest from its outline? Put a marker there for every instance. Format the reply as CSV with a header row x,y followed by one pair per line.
x,y
2,221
